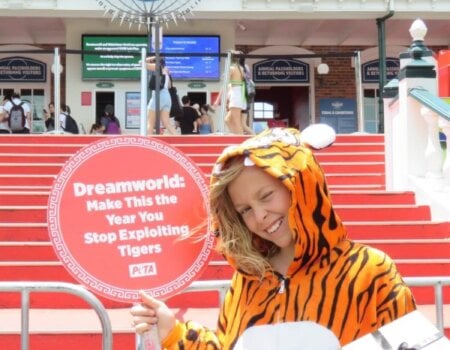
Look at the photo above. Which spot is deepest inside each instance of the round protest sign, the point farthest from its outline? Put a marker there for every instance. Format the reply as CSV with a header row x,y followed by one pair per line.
x,y
126,213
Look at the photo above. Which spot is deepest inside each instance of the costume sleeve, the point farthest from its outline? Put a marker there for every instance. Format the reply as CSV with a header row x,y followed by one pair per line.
x,y
191,335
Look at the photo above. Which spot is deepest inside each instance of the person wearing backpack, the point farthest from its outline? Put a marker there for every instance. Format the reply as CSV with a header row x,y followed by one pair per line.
x,y
68,124
19,116
110,123
4,127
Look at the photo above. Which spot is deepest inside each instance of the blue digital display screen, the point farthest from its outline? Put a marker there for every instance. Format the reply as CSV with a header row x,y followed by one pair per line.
x,y
117,56
192,67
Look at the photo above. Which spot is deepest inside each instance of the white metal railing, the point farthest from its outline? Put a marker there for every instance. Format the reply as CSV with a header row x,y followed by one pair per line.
x,y
220,286
25,288
437,282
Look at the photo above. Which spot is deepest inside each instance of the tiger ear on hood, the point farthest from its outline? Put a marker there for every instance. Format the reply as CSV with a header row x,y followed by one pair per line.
x,y
318,136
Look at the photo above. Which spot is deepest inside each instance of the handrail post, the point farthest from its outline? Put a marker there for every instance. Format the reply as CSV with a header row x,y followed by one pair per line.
x,y
359,93
439,306
25,320
56,88
143,115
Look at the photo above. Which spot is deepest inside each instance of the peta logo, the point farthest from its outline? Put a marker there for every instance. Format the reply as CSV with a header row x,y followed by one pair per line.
x,y
141,270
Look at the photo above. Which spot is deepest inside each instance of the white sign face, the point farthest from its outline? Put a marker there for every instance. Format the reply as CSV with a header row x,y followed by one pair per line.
x,y
303,335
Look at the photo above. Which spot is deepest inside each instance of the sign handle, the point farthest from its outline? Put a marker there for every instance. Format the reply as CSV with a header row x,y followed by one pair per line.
x,y
151,340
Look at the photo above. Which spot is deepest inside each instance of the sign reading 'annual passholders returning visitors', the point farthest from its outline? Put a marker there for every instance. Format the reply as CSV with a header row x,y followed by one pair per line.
x,y
121,213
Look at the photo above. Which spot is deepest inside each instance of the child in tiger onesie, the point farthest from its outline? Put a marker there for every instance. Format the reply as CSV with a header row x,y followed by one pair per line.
x,y
276,225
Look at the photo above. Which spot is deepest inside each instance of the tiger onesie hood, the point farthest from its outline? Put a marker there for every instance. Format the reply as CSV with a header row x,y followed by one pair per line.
x,y
349,288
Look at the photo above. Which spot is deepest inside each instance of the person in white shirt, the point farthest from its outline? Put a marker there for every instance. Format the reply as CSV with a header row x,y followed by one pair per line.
x,y
15,100
4,127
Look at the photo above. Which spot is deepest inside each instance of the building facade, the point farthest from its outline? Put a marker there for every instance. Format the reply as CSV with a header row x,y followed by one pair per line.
x,y
286,41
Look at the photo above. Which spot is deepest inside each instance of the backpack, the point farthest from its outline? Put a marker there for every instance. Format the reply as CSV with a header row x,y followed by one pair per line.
x,y
250,86
17,117
176,110
71,125
113,127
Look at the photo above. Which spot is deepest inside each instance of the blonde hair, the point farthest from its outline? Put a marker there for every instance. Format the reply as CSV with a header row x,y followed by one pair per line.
x,y
249,252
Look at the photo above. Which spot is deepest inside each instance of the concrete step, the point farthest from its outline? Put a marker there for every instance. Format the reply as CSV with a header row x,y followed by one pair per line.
x,y
37,196
397,248
372,197
349,156
21,180
350,147
362,230
216,270
54,271
34,157
31,168
354,179
207,157
396,212
23,197
365,230
363,182
29,164
412,248
20,231
54,167
330,168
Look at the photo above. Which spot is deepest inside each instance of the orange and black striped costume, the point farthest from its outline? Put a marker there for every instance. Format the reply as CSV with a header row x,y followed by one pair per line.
x,y
351,289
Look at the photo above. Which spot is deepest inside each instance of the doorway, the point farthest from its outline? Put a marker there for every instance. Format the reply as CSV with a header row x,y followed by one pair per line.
x,y
103,98
197,97
288,103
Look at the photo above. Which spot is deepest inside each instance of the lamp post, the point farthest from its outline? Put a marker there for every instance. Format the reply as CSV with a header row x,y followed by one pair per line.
x,y
149,13
322,69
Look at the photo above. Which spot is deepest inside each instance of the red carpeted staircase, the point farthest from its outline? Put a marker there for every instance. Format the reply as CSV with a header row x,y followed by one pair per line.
x,y
354,165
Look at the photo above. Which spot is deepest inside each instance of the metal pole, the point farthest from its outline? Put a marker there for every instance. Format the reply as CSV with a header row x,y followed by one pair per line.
x,y
144,85
56,87
359,92
439,306
25,320
223,96
382,64
157,79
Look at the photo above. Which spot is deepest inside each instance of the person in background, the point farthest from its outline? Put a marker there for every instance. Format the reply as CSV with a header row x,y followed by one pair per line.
x,y
4,127
207,123
245,112
97,129
237,101
165,101
67,123
110,123
276,225
50,117
16,100
190,119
